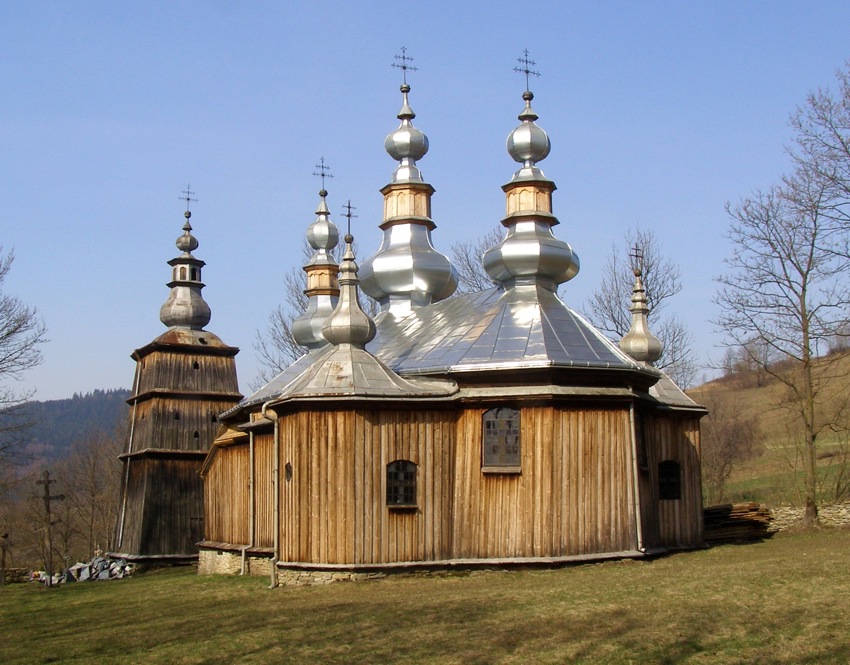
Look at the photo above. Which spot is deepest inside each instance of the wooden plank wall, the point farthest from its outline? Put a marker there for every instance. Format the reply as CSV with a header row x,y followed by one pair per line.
x,y
226,496
673,523
264,490
164,510
333,509
575,494
156,423
178,371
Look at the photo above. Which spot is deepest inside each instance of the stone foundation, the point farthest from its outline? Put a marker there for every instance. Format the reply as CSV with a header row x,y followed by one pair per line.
x,y
318,577
224,562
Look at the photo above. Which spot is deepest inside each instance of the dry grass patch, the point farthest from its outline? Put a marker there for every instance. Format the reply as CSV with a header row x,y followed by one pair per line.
x,y
781,601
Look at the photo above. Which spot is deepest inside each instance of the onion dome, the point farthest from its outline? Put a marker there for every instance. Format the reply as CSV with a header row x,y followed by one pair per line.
x,y
407,271
322,288
185,307
348,324
530,253
528,143
406,144
639,342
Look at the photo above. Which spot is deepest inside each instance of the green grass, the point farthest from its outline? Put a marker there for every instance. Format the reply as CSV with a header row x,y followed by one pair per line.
x,y
786,600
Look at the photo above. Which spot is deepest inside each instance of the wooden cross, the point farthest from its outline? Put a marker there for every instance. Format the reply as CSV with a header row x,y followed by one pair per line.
x,y
187,196
323,171
348,215
404,66
526,68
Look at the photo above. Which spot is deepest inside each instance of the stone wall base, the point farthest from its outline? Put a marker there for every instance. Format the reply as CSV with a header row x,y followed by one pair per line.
x,y
784,517
318,577
222,562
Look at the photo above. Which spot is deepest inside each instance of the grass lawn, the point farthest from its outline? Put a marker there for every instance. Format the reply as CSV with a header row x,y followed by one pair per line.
x,y
786,600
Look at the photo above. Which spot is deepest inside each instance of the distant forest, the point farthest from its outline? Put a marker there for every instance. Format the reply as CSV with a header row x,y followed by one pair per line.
x,y
57,424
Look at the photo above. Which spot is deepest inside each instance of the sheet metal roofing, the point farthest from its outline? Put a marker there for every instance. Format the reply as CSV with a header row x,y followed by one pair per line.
x,y
527,326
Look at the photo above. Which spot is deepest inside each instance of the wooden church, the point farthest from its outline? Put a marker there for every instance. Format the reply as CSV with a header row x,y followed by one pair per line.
x,y
184,379
490,428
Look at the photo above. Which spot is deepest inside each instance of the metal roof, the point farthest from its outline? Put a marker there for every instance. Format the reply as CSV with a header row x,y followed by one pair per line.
x,y
527,326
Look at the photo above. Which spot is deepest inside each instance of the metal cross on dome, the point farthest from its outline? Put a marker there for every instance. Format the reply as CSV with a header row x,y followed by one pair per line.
x,y
187,196
526,68
636,256
404,58
322,171
348,215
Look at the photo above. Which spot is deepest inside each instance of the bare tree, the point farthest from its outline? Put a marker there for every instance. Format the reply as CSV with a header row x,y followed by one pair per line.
x,y
21,334
726,438
275,346
608,307
466,259
787,290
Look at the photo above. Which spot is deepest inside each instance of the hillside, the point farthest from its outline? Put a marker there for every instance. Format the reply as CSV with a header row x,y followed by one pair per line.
x,y
773,475
59,423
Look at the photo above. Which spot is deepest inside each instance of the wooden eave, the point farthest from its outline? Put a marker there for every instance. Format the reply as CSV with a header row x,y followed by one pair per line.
x,y
191,349
162,453
227,436
183,394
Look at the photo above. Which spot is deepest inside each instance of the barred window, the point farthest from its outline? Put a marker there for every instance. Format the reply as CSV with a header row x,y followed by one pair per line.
x,y
401,484
669,480
501,440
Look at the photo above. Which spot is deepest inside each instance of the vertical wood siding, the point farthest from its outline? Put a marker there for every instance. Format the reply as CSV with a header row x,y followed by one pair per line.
x,y
333,510
673,523
574,495
171,423
176,370
226,496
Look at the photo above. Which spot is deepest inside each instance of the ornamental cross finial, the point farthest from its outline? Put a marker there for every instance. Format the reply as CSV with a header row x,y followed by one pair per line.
x,y
636,256
404,66
526,68
322,171
187,196
349,215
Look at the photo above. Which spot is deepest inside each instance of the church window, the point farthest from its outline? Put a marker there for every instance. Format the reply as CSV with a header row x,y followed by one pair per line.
x,y
669,480
501,440
183,273
194,274
401,484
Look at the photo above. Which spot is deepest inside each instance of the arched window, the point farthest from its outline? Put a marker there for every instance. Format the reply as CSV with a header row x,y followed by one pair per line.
x,y
669,480
401,484
501,440
183,273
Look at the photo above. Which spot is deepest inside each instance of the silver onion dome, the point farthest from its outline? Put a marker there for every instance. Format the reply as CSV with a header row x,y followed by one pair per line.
x,y
530,253
528,143
322,289
348,324
639,342
406,144
407,271
185,307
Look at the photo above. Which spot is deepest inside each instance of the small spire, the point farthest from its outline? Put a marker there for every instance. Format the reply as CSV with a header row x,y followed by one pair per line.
x,y
349,324
322,287
639,342
186,307
528,143
406,144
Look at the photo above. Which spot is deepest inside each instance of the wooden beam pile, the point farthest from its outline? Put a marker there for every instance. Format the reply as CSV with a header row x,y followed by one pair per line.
x,y
736,523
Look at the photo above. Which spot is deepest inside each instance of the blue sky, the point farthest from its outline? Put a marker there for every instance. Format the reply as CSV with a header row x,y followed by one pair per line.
x,y
659,113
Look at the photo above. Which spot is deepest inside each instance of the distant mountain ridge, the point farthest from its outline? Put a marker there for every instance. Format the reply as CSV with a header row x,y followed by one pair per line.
x,y
59,423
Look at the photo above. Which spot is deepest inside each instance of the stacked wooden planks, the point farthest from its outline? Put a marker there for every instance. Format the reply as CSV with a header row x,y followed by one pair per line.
x,y
736,523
